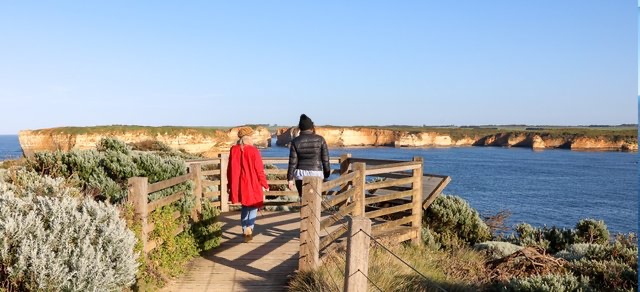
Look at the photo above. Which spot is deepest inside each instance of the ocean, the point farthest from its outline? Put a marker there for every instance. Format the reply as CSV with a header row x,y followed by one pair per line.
x,y
550,187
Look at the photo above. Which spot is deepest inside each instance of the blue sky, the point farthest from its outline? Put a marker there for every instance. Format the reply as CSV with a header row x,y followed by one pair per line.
x,y
342,62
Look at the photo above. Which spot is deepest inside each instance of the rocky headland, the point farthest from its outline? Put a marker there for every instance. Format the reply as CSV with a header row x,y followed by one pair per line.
x,y
195,140
564,138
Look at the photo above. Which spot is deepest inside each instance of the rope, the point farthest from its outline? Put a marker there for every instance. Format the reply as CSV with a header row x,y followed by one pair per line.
x,y
403,261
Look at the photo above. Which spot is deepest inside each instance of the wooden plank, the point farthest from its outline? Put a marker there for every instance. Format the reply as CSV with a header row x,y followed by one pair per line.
x,y
393,175
310,224
436,192
165,201
340,198
211,194
370,161
275,160
388,183
206,161
224,168
383,198
215,203
387,225
388,210
210,183
345,178
211,172
326,222
281,193
331,237
154,187
277,182
395,167
358,187
275,171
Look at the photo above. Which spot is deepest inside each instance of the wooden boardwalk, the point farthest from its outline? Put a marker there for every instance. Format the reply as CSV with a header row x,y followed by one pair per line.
x,y
264,264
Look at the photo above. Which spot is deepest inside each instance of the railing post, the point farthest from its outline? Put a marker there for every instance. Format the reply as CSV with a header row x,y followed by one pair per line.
x,y
137,196
196,174
310,223
358,185
224,197
416,211
357,269
344,163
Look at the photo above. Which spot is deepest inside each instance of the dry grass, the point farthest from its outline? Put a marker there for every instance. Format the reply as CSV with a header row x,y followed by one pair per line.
x,y
458,270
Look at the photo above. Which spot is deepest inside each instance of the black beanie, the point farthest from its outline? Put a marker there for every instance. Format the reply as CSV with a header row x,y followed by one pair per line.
x,y
305,123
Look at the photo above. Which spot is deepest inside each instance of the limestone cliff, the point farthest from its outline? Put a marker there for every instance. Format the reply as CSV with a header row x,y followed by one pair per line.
x,y
349,137
207,142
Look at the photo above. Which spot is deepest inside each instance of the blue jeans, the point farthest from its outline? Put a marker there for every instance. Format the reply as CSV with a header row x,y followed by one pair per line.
x,y
248,217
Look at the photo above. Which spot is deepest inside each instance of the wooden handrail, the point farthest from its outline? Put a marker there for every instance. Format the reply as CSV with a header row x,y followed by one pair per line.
x,y
393,167
388,183
343,179
154,187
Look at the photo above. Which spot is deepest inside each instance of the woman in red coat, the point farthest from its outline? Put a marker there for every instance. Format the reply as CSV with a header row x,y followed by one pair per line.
x,y
247,180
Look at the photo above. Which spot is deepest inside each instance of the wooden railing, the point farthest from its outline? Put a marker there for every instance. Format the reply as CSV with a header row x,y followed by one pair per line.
x,y
394,204
392,207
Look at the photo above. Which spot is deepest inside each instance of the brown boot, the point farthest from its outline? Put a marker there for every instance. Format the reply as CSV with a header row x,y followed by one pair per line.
x,y
248,234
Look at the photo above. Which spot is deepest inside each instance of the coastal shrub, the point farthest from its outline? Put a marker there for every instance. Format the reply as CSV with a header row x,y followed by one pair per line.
x,y
113,144
577,251
103,172
54,243
23,182
497,249
607,275
551,239
175,250
546,283
592,231
453,222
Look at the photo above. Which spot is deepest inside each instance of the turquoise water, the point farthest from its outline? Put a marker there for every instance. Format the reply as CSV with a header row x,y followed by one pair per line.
x,y
553,187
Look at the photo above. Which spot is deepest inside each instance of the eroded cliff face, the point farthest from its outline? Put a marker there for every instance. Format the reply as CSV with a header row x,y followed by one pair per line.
x,y
349,137
189,140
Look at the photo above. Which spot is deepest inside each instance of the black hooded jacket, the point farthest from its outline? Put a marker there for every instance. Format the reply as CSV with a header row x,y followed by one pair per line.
x,y
309,152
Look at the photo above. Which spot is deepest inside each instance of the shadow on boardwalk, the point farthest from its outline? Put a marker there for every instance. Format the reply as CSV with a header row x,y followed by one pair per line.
x,y
264,264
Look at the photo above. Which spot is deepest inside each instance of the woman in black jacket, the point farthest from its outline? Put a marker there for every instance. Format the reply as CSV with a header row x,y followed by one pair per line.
x,y
308,155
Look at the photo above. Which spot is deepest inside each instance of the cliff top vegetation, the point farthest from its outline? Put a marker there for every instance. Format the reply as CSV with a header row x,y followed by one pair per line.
x,y
162,130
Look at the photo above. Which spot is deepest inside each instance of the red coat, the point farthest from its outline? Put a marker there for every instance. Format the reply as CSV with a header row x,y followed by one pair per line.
x,y
246,176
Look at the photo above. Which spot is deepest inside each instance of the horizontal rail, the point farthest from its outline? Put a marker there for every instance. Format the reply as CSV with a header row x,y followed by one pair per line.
x,y
164,201
340,198
281,193
388,210
388,183
339,181
374,161
285,160
394,167
154,187
277,182
327,239
275,171
337,216
211,172
211,194
206,161
210,183
388,197
387,225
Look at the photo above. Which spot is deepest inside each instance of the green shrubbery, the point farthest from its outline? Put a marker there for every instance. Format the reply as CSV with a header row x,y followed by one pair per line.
x,y
555,239
452,222
547,283
104,172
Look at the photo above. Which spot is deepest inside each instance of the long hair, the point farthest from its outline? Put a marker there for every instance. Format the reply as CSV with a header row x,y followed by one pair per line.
x,y
242,141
